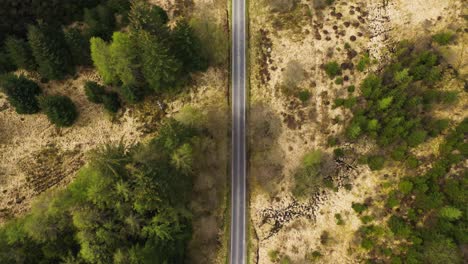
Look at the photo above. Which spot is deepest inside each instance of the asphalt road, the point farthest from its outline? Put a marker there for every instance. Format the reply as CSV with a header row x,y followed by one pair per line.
x,y
238,174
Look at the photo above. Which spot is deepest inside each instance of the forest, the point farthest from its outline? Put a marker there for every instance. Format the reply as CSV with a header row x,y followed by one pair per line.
x,y
128,205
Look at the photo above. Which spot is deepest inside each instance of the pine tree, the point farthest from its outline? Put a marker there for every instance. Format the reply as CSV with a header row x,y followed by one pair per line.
x,y
60,110
124,54
100,22
187,48
101,57
78,46
50,51
151,18
160,68
20,53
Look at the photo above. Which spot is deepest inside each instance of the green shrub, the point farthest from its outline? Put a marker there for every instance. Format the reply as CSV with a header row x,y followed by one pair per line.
x,y
339,81
392,201
367,219
363,62
332,69
273,255
412,162
405,187
60,110
308,178
304,96
443,38
339,219
338,152
111,102
21,93
94,92
351,89
416,137
359,207
367,243
131,94
399,227
376,162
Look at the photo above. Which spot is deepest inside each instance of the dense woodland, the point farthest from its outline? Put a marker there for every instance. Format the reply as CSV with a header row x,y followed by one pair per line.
x,y
130,44
128,205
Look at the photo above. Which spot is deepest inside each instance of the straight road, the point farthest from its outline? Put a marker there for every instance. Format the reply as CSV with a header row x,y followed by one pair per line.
x,y
238,173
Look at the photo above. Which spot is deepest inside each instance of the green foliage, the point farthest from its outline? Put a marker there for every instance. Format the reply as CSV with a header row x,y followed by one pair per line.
x,y
101,57
351,89
160,68
126,205
359,207
399,227
111,102
273,255
309,179
450,213
444,38
405,187
213,40
187,47
94,92
363,62
5,63
100,22
376,162
144,16
50,51
20,53
60,110
332,69
417,137
21,93
304,96
441,251
124,53
339,219
78,45
339,81
131,94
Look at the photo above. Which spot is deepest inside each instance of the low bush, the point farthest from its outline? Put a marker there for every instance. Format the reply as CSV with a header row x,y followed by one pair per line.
x,y
332,69
94,92
21,93
60,110
443,38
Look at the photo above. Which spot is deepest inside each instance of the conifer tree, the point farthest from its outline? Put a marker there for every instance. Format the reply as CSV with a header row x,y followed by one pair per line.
x,y
187,48
50,51
78,46
101,57
20,53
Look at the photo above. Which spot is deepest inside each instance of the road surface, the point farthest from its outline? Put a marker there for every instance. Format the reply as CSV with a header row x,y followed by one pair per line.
x,y
238,174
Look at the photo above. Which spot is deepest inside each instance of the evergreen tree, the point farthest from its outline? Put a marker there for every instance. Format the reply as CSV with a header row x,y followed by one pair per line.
x,y
187,48
160,68
20,53
21,93
60,110
147,17
50,51
94,92
78,46
5,63
124,54
101,57
100,22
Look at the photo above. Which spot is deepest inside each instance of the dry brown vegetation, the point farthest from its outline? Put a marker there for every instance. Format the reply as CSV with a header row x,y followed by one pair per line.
x,y
290,44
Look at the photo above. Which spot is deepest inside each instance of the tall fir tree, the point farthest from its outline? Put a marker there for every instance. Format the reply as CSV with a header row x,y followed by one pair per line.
x,y
78,46
20,53
186,46
160,68
101,57
50,51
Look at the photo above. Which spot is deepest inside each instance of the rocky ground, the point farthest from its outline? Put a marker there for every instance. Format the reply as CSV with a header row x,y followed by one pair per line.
x,y
290,43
